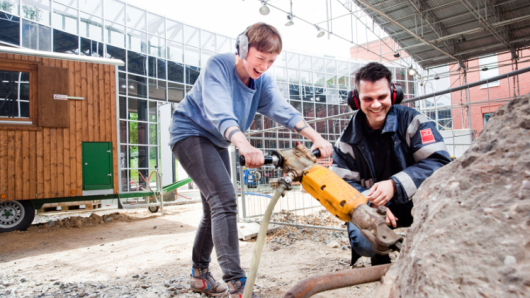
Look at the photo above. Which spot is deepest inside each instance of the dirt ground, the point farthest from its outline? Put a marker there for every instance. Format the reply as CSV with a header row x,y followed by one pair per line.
x,y
138,254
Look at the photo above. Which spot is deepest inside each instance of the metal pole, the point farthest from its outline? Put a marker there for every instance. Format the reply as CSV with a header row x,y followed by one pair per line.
x,y
233,171
467,102
470,85
327,18
336,280
159,189
243,199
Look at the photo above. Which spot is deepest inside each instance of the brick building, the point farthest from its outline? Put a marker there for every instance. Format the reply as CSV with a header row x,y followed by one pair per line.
x,y
487,98
483,100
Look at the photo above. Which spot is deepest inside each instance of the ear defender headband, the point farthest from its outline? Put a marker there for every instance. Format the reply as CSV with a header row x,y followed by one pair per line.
x,y
396,97
242,44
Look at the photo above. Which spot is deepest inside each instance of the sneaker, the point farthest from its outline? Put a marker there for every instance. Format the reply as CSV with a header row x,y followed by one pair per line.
x,y
236,288
202,281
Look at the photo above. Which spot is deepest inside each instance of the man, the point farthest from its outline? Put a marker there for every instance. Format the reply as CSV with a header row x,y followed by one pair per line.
x,y
385,152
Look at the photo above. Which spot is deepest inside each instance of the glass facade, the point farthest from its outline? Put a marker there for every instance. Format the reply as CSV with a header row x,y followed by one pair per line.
x,y
163,59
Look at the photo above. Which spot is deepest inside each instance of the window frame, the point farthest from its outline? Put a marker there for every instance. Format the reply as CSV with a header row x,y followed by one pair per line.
x,y
31,68
488,62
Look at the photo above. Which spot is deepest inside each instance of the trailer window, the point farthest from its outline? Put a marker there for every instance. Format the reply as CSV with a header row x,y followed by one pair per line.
x,y
14,94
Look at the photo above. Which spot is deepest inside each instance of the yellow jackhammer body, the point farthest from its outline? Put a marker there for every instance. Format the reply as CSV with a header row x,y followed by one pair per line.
x,y
349,205
339,198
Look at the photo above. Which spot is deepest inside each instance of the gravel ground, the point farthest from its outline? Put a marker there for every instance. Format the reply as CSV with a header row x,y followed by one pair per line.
x,y
138,254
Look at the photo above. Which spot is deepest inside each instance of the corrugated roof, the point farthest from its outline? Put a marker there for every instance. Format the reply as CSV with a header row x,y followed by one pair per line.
x,y
436,32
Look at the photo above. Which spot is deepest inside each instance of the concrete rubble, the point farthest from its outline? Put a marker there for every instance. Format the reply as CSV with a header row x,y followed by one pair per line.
x,y
471,231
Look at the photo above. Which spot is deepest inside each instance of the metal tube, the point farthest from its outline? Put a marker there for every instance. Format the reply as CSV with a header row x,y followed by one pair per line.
x,y
259,243
327,17
233,171
470,85
308,122
306,226
242,184
336,280
16,122
160,190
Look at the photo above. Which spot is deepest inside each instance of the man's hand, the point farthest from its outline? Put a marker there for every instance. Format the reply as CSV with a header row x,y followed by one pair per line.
x,y
390,218
381,192
326,149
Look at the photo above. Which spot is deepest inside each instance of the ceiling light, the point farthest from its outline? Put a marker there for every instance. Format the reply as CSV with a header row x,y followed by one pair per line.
x,y
396,55
412,72
264,9
290,20
320,32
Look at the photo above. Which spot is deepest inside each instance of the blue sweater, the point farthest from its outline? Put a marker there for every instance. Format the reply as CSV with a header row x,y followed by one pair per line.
x,y
219,100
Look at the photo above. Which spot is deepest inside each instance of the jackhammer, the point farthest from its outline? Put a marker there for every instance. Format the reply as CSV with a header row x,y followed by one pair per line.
x,y
335,194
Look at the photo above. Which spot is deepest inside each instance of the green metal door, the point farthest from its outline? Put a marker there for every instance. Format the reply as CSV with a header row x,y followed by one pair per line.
x,y
97,165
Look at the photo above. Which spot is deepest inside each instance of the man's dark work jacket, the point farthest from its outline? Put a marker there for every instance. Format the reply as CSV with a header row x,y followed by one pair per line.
x,y
418,146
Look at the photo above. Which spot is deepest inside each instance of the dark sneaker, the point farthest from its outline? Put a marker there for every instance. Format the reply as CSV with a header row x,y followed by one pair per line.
x,y
202,281
380,260
236,288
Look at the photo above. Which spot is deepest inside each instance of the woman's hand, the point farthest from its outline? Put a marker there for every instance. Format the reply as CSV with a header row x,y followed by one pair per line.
x,y
325,147
253,157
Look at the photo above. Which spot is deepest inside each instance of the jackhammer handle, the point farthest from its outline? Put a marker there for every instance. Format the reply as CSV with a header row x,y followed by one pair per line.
x,y
316,153
268,160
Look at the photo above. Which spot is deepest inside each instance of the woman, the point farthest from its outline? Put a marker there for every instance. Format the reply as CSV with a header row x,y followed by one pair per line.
x,y
218,109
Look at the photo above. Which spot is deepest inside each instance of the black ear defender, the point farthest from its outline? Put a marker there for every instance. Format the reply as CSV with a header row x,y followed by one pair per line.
x,y
396,97
242,44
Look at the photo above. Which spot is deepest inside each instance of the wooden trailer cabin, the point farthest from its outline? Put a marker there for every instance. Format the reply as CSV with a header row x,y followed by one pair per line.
x,y
58,131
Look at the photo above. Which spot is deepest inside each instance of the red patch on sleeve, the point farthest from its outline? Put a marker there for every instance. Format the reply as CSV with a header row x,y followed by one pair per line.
x,y
427,136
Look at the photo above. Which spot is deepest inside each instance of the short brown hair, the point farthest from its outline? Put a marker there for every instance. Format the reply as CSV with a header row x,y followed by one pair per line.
x,y
265,38
372,72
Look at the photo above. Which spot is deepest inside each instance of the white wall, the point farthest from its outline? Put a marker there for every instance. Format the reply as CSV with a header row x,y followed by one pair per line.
x,y
457,141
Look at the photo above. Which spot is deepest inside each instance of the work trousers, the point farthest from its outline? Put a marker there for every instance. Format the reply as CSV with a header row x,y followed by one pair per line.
x,y
209,167
361,247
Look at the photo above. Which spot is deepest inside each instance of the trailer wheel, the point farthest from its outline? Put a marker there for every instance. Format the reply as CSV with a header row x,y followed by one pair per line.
x,y
16,215
153,209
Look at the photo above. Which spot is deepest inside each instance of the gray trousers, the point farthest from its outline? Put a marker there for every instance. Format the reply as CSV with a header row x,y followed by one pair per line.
x,y
209,167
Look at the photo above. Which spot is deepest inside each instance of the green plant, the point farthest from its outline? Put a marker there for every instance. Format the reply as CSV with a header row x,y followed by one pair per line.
x,y
32,13
6,6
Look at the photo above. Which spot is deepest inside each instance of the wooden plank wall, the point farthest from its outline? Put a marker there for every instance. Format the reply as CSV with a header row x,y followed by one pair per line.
x,y
46,162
